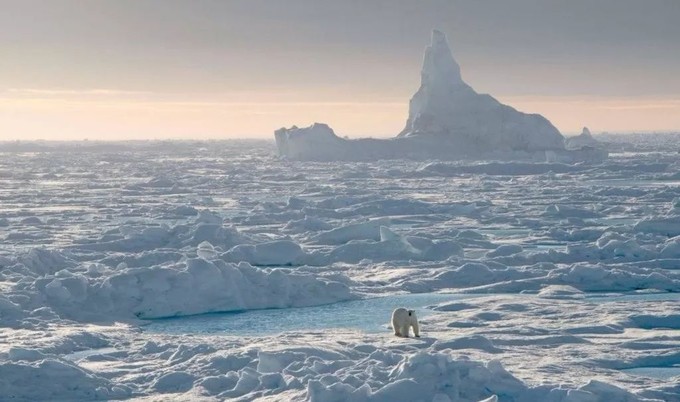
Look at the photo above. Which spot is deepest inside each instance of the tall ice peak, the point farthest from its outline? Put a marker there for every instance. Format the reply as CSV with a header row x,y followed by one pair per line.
x,y
439,67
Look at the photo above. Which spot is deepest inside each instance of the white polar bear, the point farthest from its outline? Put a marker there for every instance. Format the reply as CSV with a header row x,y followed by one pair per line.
x,y
402,319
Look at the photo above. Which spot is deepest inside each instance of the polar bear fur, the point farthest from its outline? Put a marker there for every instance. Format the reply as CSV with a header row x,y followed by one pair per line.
x,y
402,320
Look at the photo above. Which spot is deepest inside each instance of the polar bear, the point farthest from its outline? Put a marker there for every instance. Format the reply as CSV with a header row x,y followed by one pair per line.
x,y
402,319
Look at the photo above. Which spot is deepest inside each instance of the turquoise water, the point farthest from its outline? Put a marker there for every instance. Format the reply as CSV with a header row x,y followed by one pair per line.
x,y
368,315
634,182
631,297
663,373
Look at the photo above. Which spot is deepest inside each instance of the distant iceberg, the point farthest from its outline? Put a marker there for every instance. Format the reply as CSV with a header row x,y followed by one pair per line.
x,y
447,120
585,139
583,147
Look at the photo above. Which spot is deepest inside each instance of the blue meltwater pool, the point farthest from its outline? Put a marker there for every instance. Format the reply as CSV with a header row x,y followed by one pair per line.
x,y
368,315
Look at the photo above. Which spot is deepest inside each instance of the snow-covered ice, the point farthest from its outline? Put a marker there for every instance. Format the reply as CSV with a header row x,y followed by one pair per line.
x,y
533,281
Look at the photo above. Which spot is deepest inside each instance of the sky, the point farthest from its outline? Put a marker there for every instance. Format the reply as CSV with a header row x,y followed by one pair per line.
x,y
143,69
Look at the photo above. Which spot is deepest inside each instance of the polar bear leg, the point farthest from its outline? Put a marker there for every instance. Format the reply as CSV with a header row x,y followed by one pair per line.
x,y
404,330
416,330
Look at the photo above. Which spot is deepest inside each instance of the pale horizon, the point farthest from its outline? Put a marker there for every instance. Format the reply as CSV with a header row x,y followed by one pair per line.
x,y
241,69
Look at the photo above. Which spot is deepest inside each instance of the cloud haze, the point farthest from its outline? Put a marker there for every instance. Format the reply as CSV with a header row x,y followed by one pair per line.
x,y
198,69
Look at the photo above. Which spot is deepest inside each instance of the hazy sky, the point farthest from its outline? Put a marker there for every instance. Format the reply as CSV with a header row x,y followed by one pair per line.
x,y
72,69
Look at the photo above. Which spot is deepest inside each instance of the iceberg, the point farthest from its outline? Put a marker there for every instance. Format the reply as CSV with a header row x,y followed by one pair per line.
x,y
447,120
445,107
585,139
583,147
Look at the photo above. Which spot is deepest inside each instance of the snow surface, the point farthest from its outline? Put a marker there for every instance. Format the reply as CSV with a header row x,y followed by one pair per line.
x,y
576,265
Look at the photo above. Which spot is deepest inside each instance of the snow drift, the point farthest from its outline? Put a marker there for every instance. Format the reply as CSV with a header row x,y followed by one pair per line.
x,y
192,286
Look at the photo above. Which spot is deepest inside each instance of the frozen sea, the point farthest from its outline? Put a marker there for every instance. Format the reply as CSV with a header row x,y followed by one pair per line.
x,y
215,271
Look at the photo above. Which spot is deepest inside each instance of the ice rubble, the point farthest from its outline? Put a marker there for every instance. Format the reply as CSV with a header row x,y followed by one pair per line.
x,y
344,373
152,282
43,378
668,225
433,376
447,120
390,247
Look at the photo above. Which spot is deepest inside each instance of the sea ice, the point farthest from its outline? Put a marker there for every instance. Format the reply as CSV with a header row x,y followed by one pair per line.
x,y
565,274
